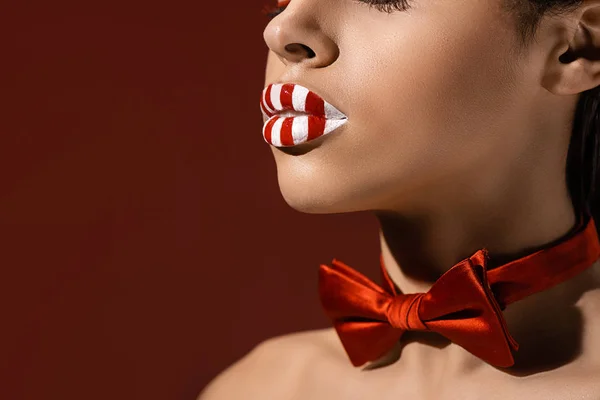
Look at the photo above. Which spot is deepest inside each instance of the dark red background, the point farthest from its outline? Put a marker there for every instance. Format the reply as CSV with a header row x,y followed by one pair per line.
x,y
144,243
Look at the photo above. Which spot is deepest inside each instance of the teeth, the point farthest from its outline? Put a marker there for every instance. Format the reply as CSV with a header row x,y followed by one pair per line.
x,y
291,113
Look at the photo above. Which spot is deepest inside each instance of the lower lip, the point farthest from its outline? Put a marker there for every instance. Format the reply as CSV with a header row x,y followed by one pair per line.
x,y
280,131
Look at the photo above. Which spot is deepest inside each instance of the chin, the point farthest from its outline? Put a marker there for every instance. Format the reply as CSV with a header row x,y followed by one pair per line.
x,y
310,204
305,197
314,196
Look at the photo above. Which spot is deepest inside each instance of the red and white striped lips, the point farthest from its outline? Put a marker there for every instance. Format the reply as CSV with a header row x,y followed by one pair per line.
x,y
312,117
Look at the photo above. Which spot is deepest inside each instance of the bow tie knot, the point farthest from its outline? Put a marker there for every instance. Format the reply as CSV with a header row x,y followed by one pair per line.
x,y
403,312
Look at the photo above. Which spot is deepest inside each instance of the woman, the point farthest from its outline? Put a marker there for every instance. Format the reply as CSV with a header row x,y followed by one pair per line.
x,y
463,125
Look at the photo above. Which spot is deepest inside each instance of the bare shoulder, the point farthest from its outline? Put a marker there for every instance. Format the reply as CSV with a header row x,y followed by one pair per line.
x,y
273,368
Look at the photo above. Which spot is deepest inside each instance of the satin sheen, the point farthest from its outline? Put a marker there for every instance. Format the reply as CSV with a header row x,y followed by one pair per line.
x,y
465,304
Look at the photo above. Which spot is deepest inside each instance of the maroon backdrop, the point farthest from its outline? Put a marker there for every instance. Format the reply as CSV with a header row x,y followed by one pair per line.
x,y
144,243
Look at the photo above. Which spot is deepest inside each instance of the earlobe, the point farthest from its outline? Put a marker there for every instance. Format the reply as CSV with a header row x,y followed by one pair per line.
x,y
578,68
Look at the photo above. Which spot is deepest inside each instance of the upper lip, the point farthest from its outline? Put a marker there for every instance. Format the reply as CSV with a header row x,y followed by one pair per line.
x,y
292,97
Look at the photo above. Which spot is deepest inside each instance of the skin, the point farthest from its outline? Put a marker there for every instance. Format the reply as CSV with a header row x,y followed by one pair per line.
x,y
456,140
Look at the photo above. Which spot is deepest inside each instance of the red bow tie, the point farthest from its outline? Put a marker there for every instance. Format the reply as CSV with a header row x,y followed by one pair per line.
x,y
464,304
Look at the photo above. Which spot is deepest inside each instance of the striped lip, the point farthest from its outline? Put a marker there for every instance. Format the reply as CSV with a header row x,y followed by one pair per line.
x,y
313,117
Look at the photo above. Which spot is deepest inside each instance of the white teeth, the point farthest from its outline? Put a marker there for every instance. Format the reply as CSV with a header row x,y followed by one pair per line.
x,y
292,113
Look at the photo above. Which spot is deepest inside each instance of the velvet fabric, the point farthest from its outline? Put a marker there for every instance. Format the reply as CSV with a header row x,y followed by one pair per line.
x,y
465,304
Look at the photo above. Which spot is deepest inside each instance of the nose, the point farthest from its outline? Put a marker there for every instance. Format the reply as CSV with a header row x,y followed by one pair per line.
x,y
297,36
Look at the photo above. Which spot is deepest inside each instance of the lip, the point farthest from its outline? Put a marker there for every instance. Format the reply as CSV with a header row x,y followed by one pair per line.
x,y
296,114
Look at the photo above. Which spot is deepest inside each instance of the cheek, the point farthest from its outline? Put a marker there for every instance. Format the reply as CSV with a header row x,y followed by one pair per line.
x,y
435,90
425,107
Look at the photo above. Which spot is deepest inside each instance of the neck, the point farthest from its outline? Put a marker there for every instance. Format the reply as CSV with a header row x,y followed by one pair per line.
x,y
551,325
418,248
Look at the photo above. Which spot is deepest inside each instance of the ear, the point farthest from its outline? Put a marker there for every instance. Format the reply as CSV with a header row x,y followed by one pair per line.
x,y
578,68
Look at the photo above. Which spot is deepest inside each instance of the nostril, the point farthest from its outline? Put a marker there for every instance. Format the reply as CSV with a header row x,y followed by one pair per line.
x,y
296,48
310,53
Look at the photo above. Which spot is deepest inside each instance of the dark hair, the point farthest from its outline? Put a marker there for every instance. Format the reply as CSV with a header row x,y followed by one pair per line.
x,y
583,159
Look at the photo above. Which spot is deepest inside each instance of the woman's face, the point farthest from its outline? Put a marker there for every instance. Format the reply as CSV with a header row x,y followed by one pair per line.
x,y
434,96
